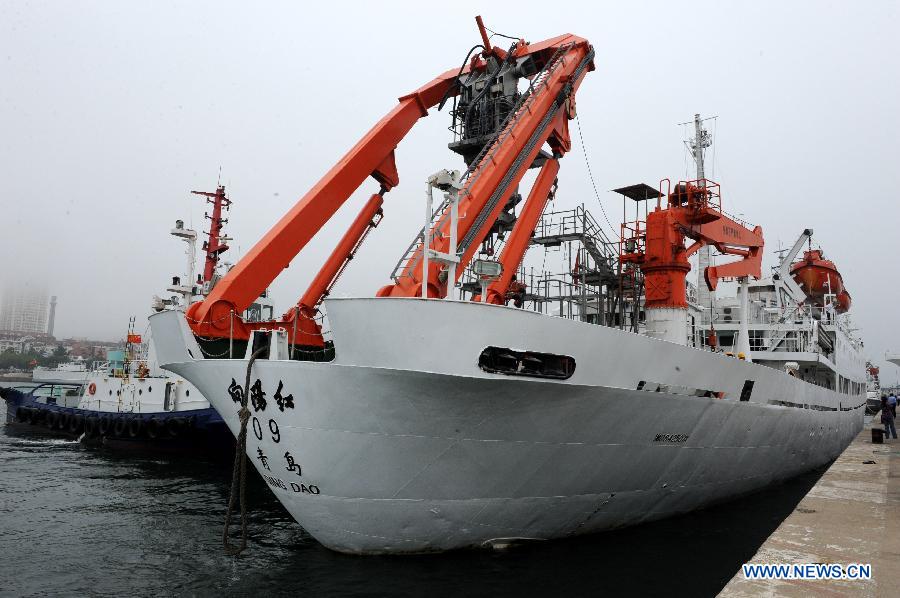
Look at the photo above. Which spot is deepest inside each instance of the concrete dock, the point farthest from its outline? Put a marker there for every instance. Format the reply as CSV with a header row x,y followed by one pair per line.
x,y
852,515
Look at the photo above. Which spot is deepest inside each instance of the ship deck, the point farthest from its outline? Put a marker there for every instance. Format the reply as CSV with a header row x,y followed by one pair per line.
x,y
852,515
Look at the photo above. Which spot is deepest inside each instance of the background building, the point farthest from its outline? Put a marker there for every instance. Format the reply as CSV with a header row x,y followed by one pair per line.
x,y
24,309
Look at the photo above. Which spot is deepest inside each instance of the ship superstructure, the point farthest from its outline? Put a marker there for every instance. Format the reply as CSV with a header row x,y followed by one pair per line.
x,y
474,401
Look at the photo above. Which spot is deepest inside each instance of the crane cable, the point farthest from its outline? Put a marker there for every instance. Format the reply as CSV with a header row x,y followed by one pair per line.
x,y
515,39
594,184
239,471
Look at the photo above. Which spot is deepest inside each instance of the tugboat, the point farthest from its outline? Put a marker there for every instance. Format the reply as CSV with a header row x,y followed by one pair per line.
x,y
437,416
129,400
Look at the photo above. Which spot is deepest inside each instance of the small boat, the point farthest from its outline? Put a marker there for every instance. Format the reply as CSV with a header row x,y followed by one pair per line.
x,y
73,371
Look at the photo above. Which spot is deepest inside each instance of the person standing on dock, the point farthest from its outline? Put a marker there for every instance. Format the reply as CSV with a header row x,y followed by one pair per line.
x,y
887,417
892,403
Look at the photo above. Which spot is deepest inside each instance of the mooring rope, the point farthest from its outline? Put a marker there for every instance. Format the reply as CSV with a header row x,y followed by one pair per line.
x,y
239,471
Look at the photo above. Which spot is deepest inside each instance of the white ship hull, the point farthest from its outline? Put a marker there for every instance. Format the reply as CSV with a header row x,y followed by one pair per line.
x,y
403,444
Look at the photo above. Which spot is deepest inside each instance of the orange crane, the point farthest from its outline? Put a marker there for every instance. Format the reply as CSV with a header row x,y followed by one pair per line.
x,y
693,211
502,134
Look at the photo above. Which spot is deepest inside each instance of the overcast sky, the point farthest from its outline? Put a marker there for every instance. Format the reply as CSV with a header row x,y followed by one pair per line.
x,y
111,112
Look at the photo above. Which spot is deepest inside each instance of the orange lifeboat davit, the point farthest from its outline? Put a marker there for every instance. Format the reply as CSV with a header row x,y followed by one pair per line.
x,y
818,277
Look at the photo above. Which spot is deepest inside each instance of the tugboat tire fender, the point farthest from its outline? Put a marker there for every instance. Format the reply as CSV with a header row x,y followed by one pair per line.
x,y
64,419
104,426
135,427
21,414
51,418
76,423
90,426
120,426
175,425
154,427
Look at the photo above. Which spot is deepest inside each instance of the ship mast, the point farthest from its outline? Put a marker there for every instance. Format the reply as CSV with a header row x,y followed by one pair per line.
x,y
215,245
698,146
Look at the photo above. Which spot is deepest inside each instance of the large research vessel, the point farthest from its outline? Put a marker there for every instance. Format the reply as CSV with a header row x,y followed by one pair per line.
x,y
474,401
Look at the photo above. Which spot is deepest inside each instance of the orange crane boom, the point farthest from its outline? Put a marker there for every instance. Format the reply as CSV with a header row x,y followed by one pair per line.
x,y
541,117
554,69
520,237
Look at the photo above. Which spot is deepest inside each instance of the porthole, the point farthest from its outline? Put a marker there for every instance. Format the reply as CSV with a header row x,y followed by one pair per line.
x,y
187,393
140,391
110,392
149,389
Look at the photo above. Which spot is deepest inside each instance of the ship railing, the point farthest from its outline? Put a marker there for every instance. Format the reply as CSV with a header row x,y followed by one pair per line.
x,y
574,223
763,340
560,296
139,368
633,237
698,194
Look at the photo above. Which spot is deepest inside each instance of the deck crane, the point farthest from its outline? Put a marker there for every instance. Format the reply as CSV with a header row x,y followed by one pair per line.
x,y
787,291
693,211
501,133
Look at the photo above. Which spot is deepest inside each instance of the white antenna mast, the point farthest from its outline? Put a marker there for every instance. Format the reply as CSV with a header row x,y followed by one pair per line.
x,y
698,145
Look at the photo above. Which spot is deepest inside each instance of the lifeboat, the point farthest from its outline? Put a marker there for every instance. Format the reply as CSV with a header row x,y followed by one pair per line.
x,y
818,277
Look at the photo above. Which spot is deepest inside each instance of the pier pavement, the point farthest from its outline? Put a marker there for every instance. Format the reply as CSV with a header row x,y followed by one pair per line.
x,y
852,515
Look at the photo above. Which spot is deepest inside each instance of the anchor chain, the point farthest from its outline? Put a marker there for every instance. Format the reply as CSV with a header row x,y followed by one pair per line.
x,y
239,471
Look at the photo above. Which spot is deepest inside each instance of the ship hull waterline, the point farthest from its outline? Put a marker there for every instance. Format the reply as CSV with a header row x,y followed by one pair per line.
x,y
439,455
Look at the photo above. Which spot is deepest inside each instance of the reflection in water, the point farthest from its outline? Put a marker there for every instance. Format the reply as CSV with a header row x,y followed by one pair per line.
x,y
76,520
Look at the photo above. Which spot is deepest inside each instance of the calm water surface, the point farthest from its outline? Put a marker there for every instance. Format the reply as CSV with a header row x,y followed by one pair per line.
x,y
81,520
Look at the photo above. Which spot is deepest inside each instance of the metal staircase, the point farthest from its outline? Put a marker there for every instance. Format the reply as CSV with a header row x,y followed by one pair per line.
x,y
578,225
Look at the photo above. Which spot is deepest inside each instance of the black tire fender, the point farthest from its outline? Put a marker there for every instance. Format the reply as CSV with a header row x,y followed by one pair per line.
x,y
154,428
135,427
37,415
52,419
90,426
76,423
175,425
